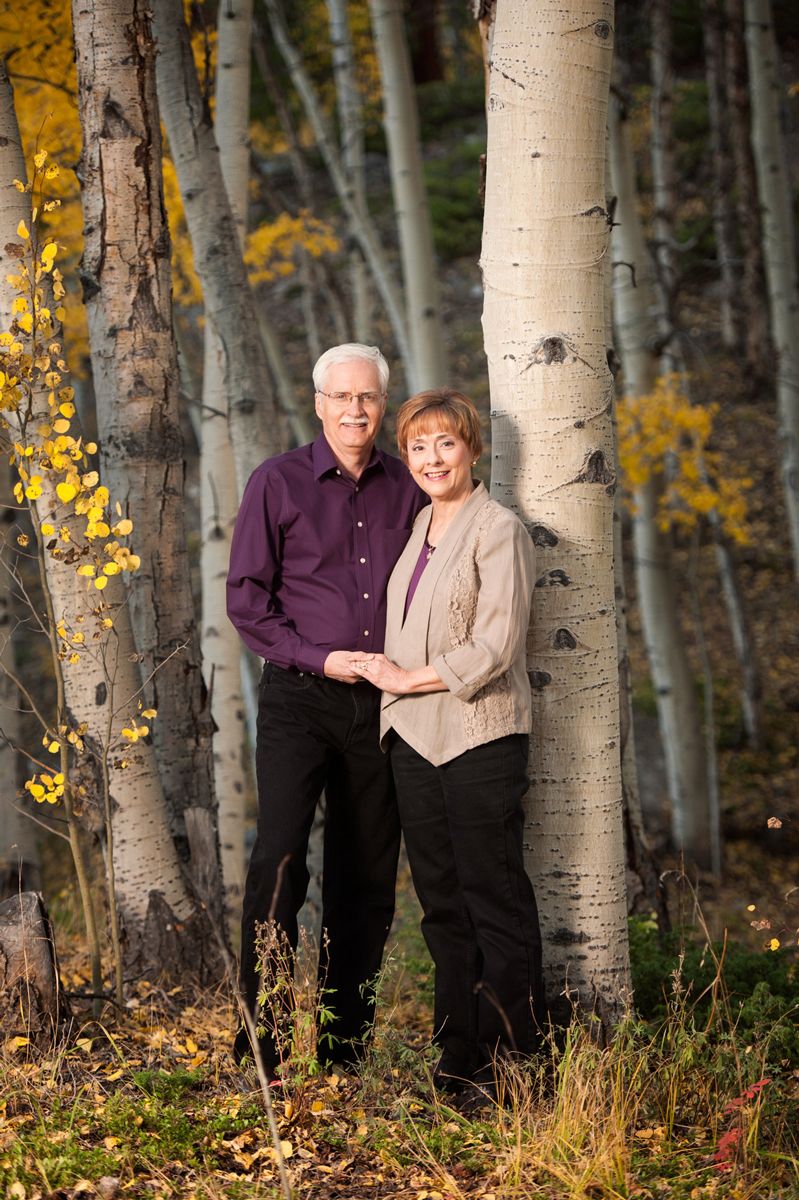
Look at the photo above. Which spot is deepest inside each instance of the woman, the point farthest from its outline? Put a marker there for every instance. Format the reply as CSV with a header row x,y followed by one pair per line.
x,y
456,717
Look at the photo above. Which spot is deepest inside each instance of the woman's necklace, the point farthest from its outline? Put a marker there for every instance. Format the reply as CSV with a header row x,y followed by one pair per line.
x,y
429,549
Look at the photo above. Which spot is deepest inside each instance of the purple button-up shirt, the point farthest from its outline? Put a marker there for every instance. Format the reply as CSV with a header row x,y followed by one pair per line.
x,y
312,552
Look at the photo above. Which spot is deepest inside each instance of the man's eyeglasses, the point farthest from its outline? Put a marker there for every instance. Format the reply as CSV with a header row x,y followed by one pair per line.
x,y
343,398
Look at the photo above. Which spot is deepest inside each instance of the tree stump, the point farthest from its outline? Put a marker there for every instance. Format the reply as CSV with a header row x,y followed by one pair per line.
x,y
31,1001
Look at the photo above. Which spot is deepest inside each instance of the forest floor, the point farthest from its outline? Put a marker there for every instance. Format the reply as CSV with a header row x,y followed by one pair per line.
x,y
700,1100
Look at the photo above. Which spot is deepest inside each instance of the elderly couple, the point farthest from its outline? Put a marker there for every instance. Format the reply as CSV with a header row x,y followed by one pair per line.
x,y
390,600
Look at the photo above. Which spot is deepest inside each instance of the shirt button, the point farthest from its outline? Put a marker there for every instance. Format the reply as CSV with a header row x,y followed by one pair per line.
x,y
366,595
357,489
366,633
337,471
360,524
362,560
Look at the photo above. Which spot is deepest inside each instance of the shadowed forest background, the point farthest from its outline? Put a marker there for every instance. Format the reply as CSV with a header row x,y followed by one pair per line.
x,y
326,176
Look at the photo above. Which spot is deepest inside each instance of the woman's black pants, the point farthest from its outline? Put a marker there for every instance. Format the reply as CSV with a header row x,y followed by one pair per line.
x,y
462,824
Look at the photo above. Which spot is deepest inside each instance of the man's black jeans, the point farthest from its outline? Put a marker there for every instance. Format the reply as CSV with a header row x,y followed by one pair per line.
x,y
462,824
316,734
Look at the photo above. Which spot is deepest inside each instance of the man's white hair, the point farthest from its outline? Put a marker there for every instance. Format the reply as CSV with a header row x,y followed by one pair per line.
x,y
346,353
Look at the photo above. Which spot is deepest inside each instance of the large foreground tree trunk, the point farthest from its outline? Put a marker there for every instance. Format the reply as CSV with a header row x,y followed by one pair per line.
x,y
779,243
127,281
401,121
544,243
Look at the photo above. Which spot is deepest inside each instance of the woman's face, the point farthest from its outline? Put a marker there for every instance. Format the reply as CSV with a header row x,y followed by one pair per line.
x,y
441,463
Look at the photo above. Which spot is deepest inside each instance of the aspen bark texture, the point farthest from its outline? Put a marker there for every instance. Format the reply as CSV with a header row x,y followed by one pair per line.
x,y
127,280
779,243
544,245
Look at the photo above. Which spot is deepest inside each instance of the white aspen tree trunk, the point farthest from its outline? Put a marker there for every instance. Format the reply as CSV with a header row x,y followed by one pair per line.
x,y
723,219
644,891
544,244
361,225
637,308
163,930
401,122
663,186
219,500
229,304
779,243
127,280
350,112
757,336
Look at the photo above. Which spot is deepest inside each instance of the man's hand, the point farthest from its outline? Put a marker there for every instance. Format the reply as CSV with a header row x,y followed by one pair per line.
x,y
338,665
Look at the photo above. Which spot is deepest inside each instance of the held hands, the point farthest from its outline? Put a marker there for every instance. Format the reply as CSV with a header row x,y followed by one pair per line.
x,y
381,672
339,665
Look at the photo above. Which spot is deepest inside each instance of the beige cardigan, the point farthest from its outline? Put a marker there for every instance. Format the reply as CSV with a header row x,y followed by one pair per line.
x,y
468,619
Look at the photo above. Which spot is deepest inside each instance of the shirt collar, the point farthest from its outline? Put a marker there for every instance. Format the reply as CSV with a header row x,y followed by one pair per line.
x,y
324,460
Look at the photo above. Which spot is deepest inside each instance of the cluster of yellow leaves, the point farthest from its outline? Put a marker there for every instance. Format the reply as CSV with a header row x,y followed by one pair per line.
x,y
42,72
136,727
663,435
45,450
272,247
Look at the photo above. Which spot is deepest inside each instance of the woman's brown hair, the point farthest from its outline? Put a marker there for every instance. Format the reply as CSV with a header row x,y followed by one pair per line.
x,y
440,408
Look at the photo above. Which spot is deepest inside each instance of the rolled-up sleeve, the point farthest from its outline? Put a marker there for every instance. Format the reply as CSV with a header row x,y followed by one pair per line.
x,y
505,560
255,555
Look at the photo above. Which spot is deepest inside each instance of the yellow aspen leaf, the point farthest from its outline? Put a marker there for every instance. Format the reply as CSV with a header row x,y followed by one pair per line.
x,y
100,582
142,730
123,527
774,944
22,231
101,529
91,447
47,780
61,425
67,409
191,1045
90,479
107,623
86,569
78,639
111,568
39,159
25,322
150,713
23,540
49,252
73,658
16,1043
60,313
66,492
118,509
51,173
54,747
58,779
36,790
19,185
20,305
130,734
44,431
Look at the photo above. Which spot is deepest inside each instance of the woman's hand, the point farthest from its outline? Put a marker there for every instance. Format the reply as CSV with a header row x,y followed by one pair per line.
x,y
382,673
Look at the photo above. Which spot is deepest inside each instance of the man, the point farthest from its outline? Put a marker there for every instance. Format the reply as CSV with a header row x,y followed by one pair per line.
x,y
318,533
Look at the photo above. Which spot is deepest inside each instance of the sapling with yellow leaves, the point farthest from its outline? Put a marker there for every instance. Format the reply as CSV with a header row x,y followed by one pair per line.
x,y
105,775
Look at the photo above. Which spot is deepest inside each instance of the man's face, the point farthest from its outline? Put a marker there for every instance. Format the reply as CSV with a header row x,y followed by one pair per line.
x,y
352,410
